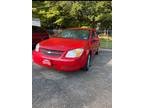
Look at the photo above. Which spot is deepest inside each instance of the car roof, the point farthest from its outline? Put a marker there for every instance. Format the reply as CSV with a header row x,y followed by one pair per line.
x,y
80,28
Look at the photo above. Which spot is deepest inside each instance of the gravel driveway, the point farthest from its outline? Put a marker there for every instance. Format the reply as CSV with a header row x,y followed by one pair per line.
x,y
92,89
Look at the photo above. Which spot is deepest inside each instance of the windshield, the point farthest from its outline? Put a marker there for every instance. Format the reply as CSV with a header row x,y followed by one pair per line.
x,y
75,34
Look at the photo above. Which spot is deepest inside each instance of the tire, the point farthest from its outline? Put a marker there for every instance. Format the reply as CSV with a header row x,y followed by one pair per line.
x,y
88,64
97,52
33,47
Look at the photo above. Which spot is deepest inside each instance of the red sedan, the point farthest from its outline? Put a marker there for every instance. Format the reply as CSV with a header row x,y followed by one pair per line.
x,y
71,50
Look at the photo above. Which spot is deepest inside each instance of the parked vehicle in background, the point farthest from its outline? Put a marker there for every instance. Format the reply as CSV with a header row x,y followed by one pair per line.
x,y
38,34
71,50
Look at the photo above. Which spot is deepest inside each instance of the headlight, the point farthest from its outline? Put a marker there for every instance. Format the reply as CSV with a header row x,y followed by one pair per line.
x,y
37,48
74,53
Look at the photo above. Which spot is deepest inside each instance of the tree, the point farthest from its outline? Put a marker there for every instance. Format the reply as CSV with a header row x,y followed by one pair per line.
x,y
74,13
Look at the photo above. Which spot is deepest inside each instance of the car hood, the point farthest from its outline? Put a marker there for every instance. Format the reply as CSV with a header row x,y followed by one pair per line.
x,y
63,44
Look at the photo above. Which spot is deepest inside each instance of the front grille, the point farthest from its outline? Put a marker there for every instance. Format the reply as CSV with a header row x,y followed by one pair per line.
x,y
49,52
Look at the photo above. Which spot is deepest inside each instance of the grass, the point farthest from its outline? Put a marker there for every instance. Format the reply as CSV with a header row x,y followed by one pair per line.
x,y
105,41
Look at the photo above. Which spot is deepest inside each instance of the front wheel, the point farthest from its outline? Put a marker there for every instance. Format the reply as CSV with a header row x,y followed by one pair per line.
x,y
88,64
97,52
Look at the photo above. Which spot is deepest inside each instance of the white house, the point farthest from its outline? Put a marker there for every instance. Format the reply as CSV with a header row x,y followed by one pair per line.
x,y
36,22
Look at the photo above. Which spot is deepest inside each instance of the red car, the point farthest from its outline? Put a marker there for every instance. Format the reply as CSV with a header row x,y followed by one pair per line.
x,y
71,50
38,34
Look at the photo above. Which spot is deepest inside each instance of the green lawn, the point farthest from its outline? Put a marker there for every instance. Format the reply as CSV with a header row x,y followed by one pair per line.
x,y
105,42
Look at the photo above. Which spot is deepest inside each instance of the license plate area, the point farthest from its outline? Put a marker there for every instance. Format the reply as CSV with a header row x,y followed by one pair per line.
x,y
47,62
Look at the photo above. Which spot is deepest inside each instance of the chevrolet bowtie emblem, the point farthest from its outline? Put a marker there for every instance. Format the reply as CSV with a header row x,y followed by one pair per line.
x,y
49,52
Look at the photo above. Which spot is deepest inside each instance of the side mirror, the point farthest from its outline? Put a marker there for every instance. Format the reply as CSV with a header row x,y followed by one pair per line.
x,y
95,40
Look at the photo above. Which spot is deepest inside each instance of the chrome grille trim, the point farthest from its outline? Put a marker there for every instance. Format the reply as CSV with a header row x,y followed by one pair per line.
x,y
49,52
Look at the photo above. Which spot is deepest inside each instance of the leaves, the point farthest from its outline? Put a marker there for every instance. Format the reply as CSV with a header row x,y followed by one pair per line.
x,y
74,13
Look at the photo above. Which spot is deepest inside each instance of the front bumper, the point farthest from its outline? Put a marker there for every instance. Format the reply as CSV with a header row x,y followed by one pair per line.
x,y
59,63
